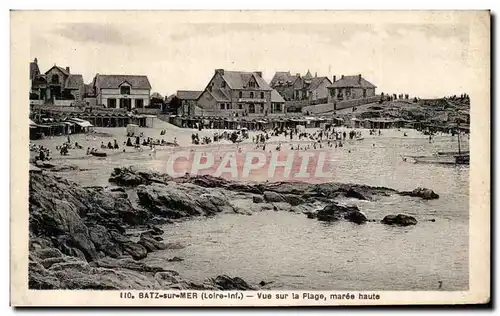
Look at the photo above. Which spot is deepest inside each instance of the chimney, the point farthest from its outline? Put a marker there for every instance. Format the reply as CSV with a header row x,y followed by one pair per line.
x,y
334,78
259,73
219,71
67,69
36,61
359,78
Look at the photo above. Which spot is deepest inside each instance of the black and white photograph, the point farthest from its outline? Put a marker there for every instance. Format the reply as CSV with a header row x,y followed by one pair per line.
x,y
304,158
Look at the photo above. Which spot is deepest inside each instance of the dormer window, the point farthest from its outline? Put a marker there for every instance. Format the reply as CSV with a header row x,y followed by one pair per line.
x,y
251,84
124,90
55,79
223,84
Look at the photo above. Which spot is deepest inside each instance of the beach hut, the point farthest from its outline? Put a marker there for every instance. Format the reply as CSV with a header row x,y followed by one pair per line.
x,y
132,129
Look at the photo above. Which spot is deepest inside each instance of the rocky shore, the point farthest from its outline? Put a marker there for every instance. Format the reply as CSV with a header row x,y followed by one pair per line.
x,y
79,236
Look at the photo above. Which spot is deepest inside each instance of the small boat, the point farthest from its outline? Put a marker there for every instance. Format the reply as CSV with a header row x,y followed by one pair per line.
x,y
98,154
452,153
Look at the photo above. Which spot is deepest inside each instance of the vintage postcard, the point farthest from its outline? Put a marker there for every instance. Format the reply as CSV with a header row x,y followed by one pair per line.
x,y
252,158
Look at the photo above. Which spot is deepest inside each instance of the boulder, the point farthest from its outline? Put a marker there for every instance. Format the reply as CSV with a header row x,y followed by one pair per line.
x,y
424,193
351,193
335,212
400,220
272,197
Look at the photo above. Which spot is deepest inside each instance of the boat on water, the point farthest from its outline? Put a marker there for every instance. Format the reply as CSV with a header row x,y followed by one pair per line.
x,y
446,157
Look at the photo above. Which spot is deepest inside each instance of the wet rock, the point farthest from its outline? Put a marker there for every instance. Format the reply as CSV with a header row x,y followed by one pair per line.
x,y
335,212
271,197
125,263
174,245
166,279
400,220
150,244
257,199
310,214
137,251
356,217
158,238
175,259
351,193
426,194
126,177
103,241
224,282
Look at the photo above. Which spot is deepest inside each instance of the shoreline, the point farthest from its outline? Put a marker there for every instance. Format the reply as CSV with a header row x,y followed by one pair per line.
x,y
78,233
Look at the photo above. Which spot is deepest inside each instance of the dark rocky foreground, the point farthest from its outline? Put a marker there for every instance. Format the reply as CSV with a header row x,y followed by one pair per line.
x,y
79,239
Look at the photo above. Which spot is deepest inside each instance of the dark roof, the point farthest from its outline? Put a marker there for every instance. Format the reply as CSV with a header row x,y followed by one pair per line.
x,y
240,79
283,77
34,70
276,97
64,71
352,82
114,81
219,95
38,82
188,94
74,81
316,81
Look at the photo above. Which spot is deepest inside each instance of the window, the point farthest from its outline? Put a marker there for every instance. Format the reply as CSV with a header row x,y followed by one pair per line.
x,y
262,95
222,106
277,107
112,103
251,95
229,106
124,90
364,93
241,94
240,106
223,85
251,108
251,84
139,103
55,79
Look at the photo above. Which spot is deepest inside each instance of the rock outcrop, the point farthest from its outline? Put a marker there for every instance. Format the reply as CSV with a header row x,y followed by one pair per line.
x,y
400,220
79,239
426,194
335,212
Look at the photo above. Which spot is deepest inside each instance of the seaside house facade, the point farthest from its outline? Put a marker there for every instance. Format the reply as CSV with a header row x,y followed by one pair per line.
x,y
122,91
350,87
236,93
188,102
297,88
57,86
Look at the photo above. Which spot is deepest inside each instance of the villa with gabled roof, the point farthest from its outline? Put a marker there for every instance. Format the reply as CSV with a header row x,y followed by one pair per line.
x,y
238,93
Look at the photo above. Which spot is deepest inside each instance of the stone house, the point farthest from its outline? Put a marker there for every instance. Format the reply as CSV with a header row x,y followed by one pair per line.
x,y
236,93
55,85
188,102
299,88
349,88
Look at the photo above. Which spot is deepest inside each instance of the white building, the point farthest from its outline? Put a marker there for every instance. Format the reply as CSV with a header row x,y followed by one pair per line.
x,y
122,91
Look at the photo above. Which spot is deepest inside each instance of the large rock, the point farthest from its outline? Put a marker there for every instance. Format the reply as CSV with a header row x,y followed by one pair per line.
x,y
103,241
400,220
426,194
178,200
335,212
224,282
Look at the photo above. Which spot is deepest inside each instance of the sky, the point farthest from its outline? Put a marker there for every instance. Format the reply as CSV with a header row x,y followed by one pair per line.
x,y
424,60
